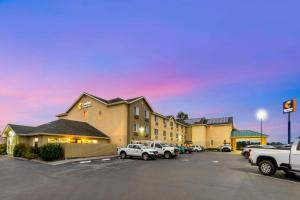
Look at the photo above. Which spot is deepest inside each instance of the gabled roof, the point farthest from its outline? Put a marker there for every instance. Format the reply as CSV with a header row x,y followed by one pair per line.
x,y
212,121
246,133
110,102
60,127
20,128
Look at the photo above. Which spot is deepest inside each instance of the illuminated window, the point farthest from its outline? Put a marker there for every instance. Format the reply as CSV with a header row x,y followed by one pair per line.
x,y
147,129
52,140
85,114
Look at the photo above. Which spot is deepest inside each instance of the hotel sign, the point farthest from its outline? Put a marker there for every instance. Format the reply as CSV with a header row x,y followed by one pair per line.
x,y
84,105
289,106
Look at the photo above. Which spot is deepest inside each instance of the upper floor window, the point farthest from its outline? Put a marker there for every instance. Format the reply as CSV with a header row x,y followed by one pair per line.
x,y
136,110
164,133
155,131
147,114
171,123
176,135
147,129
171,134
135,128
155,118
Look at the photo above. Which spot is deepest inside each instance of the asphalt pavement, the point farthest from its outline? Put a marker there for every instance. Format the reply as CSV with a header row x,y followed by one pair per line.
x,y
204,175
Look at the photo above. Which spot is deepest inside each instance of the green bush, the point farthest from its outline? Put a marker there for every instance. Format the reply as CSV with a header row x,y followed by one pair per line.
x,y
19,150
3,149
24,151
50,152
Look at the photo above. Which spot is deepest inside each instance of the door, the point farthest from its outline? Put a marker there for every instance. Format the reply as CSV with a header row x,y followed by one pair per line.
x,y
11,142
295,156
137,150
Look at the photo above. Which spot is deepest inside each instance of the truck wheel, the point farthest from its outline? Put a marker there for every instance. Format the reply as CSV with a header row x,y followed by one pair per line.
x,y
167,155
266,168
123,155
145,156
246,155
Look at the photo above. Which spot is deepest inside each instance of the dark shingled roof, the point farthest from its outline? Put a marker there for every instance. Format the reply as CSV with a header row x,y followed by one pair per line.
x,y
212,121
21,129
63,127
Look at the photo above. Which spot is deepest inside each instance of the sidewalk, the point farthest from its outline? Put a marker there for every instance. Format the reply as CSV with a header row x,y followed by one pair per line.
x,y
61,162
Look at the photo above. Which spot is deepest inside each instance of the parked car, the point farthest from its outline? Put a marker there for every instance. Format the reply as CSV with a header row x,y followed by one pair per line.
x,y
197,148
138,150
188,150
165,150
271,160
225,148
247,149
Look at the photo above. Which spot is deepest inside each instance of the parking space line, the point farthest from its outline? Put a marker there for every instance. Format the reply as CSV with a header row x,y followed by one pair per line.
x,y
275,178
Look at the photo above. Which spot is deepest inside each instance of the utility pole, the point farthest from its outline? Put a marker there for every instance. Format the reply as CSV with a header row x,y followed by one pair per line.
x,y
289,128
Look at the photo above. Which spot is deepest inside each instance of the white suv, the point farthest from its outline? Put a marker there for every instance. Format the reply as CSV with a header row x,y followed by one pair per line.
x,y
165,150
138,150
197,148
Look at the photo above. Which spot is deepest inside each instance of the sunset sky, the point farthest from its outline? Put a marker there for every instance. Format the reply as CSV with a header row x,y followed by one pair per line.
x,y
206,58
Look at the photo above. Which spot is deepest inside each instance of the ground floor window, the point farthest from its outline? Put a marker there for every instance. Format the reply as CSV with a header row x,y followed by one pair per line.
x,y
72,140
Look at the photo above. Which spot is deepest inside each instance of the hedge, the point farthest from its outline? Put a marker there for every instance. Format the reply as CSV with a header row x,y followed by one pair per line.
x,y
24,151
3,149
50,152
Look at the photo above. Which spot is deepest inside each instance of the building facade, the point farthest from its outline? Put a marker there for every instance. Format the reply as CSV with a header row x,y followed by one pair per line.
x,y
123,121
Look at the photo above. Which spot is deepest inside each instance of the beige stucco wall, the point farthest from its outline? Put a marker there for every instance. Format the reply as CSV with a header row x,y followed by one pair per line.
x,y
218,134
112,120
88,150
199,135
177,128
140,120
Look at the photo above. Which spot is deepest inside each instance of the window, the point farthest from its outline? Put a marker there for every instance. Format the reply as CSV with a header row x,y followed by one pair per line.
x,y
85,114
155,118
155,131
147,129
171,123
176,135
147,114
158,145
211,142
130,146
135,128
164,133
171,134
298,147
136,110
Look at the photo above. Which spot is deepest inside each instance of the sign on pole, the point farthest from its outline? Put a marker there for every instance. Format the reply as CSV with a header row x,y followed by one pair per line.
x,y
289,106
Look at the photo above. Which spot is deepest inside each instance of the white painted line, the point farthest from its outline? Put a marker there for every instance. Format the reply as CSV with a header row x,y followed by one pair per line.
x,y
275,178
215,161
83,162
184,160
106,159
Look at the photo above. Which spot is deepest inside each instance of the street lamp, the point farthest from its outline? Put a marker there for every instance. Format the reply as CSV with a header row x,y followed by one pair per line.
x,y
261,115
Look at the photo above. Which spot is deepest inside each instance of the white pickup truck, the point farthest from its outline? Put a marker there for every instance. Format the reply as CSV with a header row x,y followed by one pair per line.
x,y
165,150
137,150
271,160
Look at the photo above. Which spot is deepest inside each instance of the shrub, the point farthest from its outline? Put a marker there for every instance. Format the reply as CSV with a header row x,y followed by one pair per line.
x,y
19,150
3,149
24,151
50,152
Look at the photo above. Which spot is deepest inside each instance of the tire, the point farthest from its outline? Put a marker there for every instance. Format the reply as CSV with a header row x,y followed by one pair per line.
x,y
267,168
246,155
167,155
145,156
123,155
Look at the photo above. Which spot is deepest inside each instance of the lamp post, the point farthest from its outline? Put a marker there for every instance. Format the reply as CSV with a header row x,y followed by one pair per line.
x,y
261,115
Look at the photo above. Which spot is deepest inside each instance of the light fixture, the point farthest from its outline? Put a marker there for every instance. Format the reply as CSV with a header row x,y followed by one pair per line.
x,y
261,114
141,129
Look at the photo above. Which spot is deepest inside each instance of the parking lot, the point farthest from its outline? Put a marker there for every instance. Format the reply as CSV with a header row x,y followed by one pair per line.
x,y
205,175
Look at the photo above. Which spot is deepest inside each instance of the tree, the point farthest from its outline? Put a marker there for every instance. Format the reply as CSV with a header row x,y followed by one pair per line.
x,y
181,116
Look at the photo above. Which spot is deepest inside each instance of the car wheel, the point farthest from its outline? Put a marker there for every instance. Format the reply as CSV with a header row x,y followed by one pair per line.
x,y
123,155
167,155
246,155
266,168
145,156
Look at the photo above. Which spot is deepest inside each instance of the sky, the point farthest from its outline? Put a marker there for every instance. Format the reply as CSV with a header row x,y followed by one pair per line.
x,y
206,58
